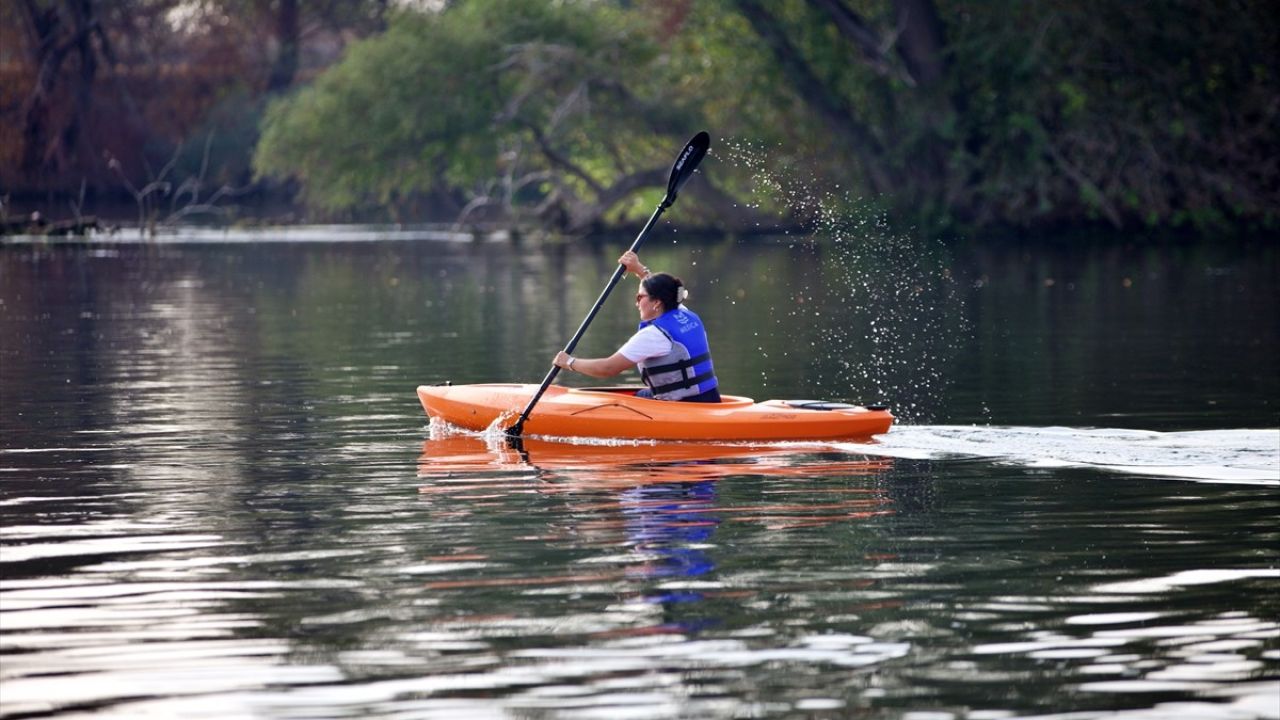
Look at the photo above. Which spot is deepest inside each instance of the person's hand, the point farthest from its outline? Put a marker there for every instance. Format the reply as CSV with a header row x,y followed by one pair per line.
x,y
631,262
562,360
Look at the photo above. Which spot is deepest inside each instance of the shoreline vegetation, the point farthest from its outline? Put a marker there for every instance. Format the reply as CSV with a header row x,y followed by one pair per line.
x,y
556,119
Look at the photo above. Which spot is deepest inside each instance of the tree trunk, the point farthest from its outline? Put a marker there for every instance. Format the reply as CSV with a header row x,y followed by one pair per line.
x,y
287,35
922,46
922,41
919,42
74,140
832,108
56,36
855,29
47,57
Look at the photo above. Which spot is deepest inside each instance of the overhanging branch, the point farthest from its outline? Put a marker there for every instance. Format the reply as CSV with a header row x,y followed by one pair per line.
x,y
874,48
833,109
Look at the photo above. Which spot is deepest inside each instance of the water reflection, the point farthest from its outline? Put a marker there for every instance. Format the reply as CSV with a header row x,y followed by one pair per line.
x,y
666,524
216,499
460,464
658,503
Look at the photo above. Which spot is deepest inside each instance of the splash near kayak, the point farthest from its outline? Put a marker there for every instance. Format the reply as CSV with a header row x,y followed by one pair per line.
x,y
618,413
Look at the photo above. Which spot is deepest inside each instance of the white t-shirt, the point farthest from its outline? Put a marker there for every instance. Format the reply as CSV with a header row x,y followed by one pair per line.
x,y
648,342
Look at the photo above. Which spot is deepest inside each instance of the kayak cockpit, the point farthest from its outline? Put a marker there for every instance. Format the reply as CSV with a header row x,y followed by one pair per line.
x,y
629,391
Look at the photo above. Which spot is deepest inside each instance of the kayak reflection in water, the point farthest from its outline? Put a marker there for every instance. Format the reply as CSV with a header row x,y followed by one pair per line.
x,y
670,348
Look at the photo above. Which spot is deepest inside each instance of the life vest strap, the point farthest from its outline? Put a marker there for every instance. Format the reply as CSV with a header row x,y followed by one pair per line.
x,y
682,384
678,365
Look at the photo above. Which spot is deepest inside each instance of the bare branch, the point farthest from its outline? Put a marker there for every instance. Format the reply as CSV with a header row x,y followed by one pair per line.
x,y
874,48
1091,191
560,160
833,109
921,40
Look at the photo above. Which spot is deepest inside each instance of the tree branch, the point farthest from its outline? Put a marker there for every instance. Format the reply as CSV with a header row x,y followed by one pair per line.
x,y
833,109
582,216
855,29
922,41
1090,190
561,161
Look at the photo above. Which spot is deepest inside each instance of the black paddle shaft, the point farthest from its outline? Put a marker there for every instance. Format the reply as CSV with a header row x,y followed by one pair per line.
x,y
683,169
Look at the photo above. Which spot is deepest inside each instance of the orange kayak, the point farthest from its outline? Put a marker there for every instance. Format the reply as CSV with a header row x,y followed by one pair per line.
x,y
617,413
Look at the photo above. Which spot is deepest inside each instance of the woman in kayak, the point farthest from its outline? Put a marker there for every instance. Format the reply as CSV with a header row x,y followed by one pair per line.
x,y
670,348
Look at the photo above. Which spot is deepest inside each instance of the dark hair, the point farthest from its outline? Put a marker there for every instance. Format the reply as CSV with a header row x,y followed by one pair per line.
x,y
664,288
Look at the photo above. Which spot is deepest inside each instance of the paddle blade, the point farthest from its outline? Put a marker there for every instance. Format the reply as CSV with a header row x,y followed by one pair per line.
x,y
686,164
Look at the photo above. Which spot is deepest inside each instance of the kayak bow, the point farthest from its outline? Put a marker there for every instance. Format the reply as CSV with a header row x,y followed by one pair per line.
x,y
617,413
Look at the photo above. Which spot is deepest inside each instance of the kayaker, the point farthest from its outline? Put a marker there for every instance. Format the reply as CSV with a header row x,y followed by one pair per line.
x,y
670,348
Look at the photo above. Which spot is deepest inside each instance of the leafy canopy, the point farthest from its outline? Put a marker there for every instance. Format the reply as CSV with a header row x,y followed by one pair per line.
x,y
518,100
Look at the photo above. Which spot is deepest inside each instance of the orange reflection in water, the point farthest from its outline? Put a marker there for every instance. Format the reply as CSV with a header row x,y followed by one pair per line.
x,y
469,467
660,504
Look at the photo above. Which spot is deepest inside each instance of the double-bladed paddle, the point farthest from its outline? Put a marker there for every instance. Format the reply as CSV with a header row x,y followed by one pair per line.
x,y
686,163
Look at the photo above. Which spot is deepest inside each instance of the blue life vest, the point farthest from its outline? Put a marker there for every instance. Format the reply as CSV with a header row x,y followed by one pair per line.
x,y
686,370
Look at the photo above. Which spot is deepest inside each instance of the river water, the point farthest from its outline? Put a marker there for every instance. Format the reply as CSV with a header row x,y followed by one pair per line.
x,y
220,498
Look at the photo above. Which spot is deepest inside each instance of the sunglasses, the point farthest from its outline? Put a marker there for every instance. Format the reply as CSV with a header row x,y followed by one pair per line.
x,y
641,296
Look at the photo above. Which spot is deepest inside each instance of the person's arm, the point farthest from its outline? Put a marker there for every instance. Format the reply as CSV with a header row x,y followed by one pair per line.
x,y
594,367
646,343
631,262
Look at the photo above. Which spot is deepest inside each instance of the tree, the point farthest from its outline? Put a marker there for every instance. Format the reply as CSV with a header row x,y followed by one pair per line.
x,y
106,95
515,110
1040,113
58,35
961,115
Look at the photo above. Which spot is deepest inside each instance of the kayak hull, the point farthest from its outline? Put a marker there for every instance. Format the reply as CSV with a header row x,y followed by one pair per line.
x,y
617,413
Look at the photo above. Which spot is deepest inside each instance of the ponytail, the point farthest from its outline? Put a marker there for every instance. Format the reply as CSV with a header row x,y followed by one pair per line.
x,y
666,289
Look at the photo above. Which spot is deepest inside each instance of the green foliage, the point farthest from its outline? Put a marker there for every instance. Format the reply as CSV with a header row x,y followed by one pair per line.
x,y
488,97
1045,114
382,122
1132,113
